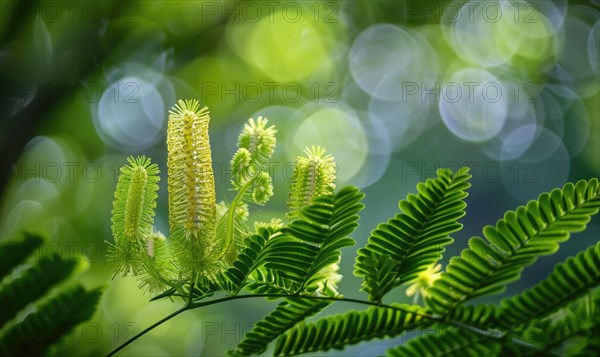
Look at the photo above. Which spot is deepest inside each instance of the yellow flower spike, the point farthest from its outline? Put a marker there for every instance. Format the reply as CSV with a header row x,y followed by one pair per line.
x,y
191,186
314,176
133,212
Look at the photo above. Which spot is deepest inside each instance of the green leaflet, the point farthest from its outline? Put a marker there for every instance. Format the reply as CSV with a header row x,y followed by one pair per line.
x,y
33,283
285,316
568,281
338,331
414,239
481,316
249,260
52,320
515,242
450,342
14,252
312,242
271,281
44,283
571,330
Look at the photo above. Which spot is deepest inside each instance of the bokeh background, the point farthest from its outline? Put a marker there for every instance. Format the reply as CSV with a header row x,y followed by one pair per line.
x,y
393,89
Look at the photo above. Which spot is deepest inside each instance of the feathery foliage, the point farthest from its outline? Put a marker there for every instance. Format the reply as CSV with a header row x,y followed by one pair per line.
x,y
250,259
312,242
15,251
46,283
212,250
33,283
572,330
515,242
337,331
285,316
449,342
415,239
569,281
52,320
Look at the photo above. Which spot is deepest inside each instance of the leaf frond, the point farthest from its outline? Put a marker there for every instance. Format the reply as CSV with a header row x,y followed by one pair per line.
x,y
285,316
516,241
415,239
338,331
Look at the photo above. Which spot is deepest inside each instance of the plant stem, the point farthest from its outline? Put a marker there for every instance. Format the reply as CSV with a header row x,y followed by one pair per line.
x,y
147,329
231,217
193,305
328,298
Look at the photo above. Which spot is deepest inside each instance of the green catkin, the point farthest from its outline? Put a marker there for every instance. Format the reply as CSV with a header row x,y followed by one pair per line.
x,y
256,144
314,176
259,139
133,212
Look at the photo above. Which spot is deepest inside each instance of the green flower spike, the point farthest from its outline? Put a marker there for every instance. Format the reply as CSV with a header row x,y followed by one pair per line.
x,y
133,213
314,176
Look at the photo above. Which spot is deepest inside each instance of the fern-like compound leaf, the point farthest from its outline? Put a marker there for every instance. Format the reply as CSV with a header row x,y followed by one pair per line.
x,y
33,283
568,281
516,241
448,342
133,213
572,330
285,316
338,331
249,259
312,242
272,281
414,239
50,322
15,252
481,316
191,185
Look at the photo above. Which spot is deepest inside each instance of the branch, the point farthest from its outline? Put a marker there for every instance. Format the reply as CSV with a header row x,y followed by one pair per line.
x,y
146,330
193,305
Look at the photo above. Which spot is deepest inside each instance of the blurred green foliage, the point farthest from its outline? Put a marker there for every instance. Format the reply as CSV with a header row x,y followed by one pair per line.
x,y
384,85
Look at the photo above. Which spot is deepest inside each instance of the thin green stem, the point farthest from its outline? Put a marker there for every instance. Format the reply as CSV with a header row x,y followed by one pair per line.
x,y
327,298
193,305
148,329
231,217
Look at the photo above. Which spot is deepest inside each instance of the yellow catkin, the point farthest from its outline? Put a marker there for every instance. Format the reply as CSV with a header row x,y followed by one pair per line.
x,y
191,186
